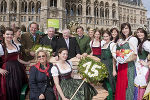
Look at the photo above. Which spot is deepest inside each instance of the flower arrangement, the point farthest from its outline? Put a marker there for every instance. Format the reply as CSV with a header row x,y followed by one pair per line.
x,y
93,71
123,54
47,48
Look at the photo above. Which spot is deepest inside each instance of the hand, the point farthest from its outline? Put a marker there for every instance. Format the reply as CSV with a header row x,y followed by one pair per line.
x,y
56,58
78,56
84,54
65,99
3,72
41,96
114,73
32,53
143,63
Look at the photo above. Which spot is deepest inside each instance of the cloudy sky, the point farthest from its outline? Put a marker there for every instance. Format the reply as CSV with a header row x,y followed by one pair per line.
x,y
147,6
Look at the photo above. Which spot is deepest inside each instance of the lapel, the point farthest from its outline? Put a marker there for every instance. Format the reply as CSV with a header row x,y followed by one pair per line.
x,y
65,44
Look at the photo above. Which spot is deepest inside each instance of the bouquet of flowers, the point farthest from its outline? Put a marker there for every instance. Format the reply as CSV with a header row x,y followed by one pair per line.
x,y
124,55
47,48
93,71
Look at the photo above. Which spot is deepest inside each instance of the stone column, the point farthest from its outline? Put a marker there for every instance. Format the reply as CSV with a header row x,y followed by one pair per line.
x,y
84,24
44,15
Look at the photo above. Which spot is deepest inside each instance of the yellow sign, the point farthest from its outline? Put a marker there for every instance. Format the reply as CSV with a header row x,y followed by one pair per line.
x,y
53,23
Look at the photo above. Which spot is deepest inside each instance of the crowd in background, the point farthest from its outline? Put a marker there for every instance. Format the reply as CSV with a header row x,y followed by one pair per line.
x,y
51,82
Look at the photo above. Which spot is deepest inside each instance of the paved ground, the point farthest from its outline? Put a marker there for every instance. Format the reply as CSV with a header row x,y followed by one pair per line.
x,y
102,94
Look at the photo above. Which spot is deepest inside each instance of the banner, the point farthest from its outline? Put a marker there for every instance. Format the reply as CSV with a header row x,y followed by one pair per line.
x,y
53,23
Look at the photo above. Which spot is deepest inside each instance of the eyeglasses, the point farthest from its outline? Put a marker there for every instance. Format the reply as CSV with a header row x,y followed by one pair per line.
x,y
41,56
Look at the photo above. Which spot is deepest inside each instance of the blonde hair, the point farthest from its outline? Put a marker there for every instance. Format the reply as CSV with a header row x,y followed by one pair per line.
x,y
46,54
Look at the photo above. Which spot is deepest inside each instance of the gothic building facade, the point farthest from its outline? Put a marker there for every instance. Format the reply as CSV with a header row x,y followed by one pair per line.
x,y
88,13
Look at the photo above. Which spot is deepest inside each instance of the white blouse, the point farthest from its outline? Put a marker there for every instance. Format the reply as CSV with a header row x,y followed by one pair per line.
x,y
55,72
146,46
9,51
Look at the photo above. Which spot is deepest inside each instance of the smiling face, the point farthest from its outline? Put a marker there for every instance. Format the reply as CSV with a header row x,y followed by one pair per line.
x,y
63,55
51,32
140,35
8,36
91,33
80,32
106,37
97,35
41,57
33,28
66,34
126,31
114,33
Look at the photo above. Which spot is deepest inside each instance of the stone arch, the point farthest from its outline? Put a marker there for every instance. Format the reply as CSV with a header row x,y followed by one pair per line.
x,y
101,4
24,6
13,6
31,7
107,13
38,7
101,12
3,6
79,9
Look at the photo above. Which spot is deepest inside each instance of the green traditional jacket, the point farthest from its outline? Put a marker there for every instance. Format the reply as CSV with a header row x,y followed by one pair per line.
x,y
27,42
84,44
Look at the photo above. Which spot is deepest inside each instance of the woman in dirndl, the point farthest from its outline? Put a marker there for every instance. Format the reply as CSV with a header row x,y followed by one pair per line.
x,y
65,85
142,70
12,73
107,59
126,70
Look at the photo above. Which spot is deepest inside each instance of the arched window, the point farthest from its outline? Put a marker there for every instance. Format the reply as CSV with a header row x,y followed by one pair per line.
x,y
131,19
88,10
107,13
120,17
102,12
24,6
101,9
38,7
113,10
128,18
67,9
96,12
79,9
134,19
53,3
31,7
107,10
73,10
13,6
124,18
3,6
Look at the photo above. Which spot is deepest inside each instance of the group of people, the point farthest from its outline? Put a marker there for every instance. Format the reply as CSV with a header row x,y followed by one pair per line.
x,y
54,82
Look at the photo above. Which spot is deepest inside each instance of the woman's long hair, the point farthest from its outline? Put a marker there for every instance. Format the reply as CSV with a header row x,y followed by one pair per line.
x,y
122,27
116,39
140,43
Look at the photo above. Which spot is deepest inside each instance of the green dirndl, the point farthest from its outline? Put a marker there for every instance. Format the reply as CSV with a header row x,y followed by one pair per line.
x,y
69,86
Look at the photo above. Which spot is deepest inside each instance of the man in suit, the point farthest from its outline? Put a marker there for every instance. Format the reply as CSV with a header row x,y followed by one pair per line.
x,y
28,40
70,43
83,41
50,39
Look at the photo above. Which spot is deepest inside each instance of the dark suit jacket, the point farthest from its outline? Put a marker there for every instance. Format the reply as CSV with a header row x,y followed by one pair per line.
x,y
73,46
27,43
38,82
46,41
